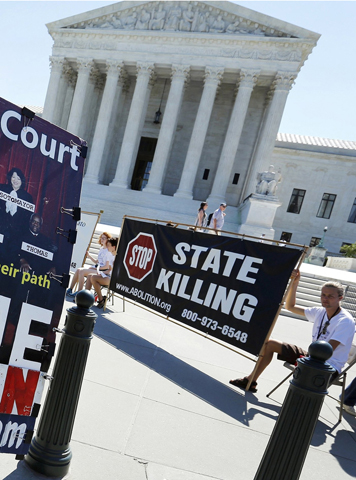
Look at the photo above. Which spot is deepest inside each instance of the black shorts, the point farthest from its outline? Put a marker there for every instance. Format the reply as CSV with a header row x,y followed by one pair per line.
x,y
290,353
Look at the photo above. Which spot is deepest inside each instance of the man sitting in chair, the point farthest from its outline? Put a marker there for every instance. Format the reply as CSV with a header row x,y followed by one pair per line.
x,y
332,323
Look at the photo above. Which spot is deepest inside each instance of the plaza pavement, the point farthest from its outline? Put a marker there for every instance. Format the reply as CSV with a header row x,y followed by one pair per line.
x,y
156,405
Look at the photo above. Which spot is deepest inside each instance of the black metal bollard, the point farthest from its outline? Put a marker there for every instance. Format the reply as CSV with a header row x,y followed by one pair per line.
x,y
50,452
288,446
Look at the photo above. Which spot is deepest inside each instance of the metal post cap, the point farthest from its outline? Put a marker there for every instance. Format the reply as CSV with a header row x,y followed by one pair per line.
x,y
320,350
84,299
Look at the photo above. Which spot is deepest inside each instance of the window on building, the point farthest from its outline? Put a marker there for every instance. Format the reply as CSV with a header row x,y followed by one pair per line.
x,y
314,241
206,174
326,205
296,201
352,216
236,179
344,244
286,236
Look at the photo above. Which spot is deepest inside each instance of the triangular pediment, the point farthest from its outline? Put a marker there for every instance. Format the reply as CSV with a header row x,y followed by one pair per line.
x,y
218,18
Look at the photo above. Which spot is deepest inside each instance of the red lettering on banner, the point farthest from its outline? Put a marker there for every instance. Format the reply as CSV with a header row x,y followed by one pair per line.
x,y
18,390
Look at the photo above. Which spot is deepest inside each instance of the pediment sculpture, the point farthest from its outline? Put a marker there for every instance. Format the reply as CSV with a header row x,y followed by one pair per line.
x,y
180,17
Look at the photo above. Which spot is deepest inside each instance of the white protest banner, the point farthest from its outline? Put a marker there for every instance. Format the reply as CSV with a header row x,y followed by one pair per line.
x,y
85,231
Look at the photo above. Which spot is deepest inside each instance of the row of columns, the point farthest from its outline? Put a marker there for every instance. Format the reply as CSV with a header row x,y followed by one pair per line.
x,y
115,76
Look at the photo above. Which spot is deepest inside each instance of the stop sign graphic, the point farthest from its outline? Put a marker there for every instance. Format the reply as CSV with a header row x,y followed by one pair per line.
x,y
140,256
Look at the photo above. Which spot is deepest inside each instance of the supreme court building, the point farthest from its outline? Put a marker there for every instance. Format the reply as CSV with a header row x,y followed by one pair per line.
x,y
181,102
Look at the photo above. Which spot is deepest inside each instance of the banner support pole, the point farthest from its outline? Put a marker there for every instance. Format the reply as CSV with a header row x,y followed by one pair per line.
x,y
260,355
111,292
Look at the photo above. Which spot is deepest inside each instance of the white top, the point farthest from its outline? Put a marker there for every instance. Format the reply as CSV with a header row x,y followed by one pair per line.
x,y
102,256
341,329
219,216
109,257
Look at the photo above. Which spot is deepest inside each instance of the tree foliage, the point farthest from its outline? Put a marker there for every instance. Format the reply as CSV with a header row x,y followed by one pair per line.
x,y
349,250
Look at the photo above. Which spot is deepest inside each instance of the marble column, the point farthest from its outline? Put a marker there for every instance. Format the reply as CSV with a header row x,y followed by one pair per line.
x,y
247,81
212,80
71,78
180,75
114,70
85,66
134,125
90,111
281,86
57,64
61,96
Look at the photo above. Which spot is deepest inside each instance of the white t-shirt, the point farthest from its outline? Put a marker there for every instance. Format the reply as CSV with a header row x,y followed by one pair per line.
x,y
102,256
219,217
341,329
109,257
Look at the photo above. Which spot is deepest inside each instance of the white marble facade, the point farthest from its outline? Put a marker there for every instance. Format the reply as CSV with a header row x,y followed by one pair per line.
x,y
219,73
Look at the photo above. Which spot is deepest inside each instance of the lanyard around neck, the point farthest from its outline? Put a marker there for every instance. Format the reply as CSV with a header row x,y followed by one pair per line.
x,y
322,329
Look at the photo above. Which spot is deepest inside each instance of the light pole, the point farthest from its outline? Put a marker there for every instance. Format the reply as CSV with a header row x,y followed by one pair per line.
x,y
321,243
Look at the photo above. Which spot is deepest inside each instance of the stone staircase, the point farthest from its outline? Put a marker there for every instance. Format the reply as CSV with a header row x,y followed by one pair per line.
x,y
308,294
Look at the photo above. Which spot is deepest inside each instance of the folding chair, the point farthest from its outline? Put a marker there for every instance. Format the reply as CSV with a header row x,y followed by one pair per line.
x,y
339,381
109,295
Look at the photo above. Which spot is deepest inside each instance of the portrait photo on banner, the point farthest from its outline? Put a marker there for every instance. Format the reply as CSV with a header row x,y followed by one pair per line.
x,y
40,171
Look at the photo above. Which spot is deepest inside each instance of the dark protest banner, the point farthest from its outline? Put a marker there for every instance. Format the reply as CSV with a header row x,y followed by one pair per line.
x,y
15,433
229,287
41,169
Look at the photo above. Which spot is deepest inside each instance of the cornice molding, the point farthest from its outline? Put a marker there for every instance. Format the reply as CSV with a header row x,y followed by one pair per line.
x,y
260,49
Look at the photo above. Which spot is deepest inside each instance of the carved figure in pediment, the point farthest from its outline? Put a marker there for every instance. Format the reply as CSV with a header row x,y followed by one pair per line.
x,y
186,23
235,28
116,22
174,15
200,23
106,25
130,21
90,25
218,26
143,21
158,18
257,30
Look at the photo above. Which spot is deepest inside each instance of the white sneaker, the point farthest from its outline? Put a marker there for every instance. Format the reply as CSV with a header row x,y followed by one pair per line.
x,y
350,409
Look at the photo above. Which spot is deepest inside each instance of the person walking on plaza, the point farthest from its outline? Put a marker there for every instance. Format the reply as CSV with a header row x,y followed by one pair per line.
x,y
202,216
332,323
218,219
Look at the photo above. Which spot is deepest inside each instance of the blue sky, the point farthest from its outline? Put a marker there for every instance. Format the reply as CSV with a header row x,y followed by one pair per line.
x,y
322,102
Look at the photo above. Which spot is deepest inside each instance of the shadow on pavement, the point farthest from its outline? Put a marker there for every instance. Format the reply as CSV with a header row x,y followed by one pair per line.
x,y
24,472
344,438
220,396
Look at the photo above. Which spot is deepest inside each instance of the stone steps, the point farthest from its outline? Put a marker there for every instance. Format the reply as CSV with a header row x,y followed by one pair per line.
x,y
308,294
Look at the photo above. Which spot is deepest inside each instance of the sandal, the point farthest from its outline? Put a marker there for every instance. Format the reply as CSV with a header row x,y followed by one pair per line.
x,y
101,303
242,383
